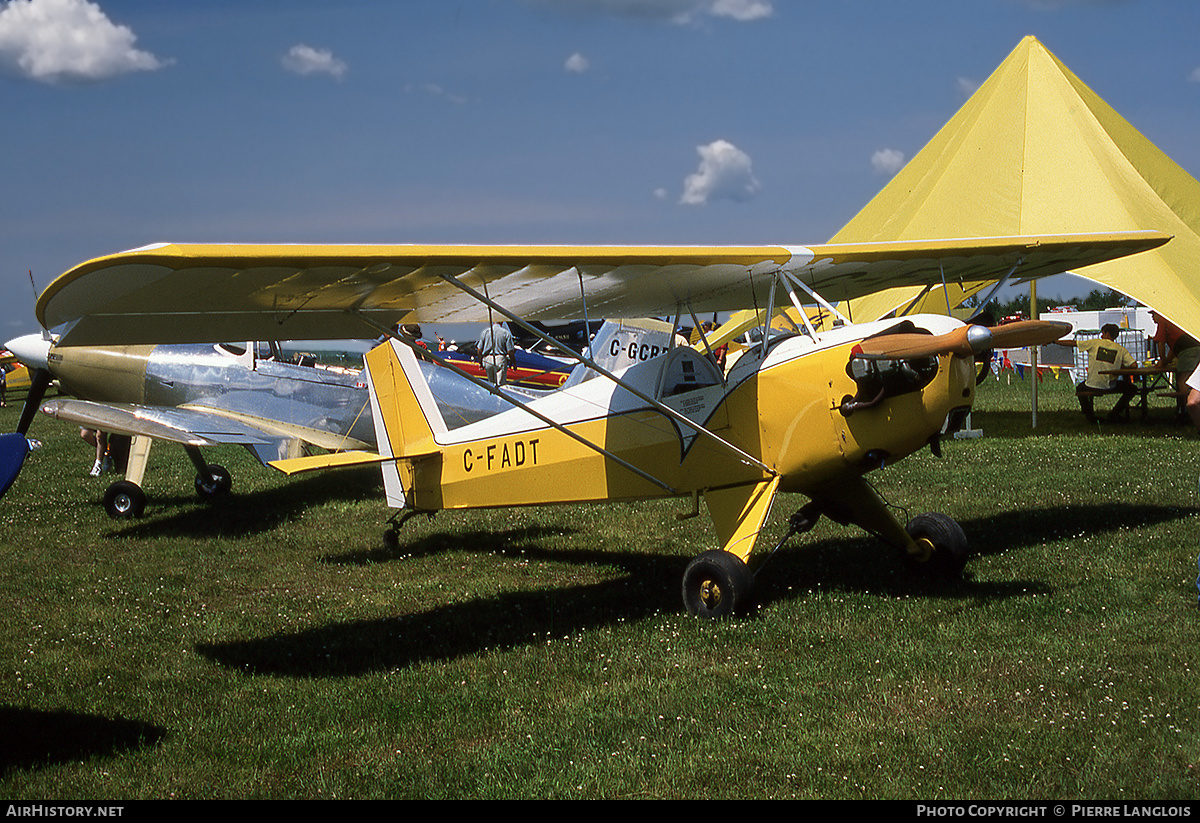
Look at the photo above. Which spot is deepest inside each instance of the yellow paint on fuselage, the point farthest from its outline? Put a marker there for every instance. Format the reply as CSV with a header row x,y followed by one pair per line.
x,y
786,415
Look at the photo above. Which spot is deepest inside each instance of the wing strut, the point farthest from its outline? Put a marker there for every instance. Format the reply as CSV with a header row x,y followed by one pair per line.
x,y
766,329
703,339
1001,283
485,385
912,305
591,364
789,281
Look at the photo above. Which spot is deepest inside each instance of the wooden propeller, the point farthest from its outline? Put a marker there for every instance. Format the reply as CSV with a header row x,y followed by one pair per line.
x,y
967,340
1028,333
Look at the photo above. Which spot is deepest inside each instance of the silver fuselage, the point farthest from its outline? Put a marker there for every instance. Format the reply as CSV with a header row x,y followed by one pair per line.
x,y
329,404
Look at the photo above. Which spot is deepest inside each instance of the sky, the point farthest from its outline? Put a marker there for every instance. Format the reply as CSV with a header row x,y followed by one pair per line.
x,y
129,122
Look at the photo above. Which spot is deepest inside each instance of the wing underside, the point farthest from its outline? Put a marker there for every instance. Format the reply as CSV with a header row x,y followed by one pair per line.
x,y
187,426
198,293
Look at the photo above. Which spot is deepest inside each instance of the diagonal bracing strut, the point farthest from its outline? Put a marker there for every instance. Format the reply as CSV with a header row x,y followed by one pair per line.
x,y
591,364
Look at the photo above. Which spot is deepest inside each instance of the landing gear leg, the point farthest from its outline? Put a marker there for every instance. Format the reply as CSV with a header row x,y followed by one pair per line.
x,y
125,499
212,481
718,583
931,542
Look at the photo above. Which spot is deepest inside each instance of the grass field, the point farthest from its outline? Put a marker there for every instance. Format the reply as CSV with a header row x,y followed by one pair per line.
x,y
270,647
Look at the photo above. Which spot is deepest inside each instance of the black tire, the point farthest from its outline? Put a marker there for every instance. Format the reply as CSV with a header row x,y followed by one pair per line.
x,y
391,541
220,485
717,584
950,550
124,500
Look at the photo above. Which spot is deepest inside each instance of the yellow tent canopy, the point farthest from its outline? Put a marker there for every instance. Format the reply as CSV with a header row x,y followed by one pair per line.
x,y
1035,151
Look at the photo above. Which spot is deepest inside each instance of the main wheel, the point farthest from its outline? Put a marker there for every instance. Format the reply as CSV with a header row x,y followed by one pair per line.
x,y
717,584
391,540
124,500
221,483
950,550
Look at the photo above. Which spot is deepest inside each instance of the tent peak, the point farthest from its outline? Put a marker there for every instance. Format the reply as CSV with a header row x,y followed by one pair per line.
x,y
1035,151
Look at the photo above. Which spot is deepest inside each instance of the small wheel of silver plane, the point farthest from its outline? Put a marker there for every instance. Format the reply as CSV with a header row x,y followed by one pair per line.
x,y
808,412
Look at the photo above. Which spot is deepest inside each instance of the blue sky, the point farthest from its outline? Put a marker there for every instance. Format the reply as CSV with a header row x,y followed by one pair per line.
x,y
129,122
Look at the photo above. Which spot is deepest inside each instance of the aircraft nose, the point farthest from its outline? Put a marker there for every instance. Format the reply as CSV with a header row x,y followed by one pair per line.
x,y
31,349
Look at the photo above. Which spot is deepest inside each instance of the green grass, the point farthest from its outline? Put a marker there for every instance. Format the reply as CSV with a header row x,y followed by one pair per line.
x,y
270,647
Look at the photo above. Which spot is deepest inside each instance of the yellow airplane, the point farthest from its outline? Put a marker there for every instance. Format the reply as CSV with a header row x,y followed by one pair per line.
x,y
15,373
809,412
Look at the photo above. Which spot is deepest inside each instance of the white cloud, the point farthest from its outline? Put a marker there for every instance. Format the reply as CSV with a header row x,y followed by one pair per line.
x,y
1194,76
303,59
966,86
66,41
724,173
676,11
742,10
577,63
887,161
436,90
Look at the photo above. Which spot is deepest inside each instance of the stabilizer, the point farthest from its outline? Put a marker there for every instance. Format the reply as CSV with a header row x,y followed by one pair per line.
x,y
402,430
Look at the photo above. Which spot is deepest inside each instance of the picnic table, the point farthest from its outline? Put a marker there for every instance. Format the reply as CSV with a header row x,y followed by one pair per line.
x,y
1145,379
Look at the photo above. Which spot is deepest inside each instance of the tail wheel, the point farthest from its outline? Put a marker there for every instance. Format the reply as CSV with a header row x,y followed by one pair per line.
x,y
124,500
717,584
220,484
949,552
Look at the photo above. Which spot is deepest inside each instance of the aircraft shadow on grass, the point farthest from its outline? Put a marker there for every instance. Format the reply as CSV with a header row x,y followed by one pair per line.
x,y
35,737
479,541
254,512
649,587
855,563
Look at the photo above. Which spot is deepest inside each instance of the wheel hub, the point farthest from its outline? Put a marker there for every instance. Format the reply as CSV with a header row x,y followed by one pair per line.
x,y
710,593
922,549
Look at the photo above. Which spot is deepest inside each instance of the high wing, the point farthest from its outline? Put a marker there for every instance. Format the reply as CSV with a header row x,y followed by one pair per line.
x,y
195,426
195,293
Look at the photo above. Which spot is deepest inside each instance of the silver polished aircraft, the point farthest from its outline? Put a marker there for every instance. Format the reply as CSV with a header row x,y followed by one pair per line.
x,y
197,395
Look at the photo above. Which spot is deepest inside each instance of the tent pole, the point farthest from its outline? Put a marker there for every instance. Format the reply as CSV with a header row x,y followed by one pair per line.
x,y
1033,350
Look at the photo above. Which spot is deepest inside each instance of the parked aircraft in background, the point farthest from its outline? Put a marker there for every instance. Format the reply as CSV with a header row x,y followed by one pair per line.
x,y
198,395
16,376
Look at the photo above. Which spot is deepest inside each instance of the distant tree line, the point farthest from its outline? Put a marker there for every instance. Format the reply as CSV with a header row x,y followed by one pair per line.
x,y
1095,300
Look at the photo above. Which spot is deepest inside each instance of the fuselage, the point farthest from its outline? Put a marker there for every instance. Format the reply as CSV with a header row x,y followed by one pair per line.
x,y
785,409
230,379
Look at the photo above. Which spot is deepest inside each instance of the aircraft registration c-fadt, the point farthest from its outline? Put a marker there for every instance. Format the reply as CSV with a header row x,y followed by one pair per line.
x,y
809,412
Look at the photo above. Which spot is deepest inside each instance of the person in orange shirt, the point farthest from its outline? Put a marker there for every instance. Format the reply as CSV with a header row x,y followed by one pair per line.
x,y
1178,349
